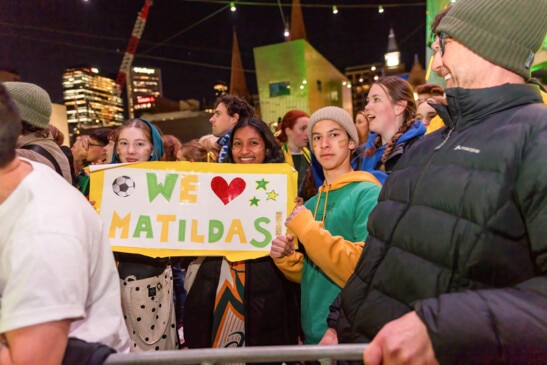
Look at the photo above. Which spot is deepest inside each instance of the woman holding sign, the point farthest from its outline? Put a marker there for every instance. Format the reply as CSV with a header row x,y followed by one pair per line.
x,y
245,303
146,282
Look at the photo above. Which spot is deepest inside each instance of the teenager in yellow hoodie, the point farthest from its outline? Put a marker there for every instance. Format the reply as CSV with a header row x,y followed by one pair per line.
x,y
331,225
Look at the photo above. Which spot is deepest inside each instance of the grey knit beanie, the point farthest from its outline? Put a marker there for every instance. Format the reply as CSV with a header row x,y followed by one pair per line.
x,y
32,101
507,33
337,115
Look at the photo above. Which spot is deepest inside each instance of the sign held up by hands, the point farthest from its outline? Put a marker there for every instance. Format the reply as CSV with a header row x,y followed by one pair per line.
x,y
163,209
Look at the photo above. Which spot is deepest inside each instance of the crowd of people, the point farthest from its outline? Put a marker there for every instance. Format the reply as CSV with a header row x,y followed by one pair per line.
x,y
419,226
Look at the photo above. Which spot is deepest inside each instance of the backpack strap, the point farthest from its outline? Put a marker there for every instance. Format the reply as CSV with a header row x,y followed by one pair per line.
x,y
43,152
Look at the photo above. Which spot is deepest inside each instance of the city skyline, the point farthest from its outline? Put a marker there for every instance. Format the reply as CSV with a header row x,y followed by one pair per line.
x,y
191,41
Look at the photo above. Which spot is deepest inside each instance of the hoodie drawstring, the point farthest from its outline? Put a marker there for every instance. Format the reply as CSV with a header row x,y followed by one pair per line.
x,y
326,188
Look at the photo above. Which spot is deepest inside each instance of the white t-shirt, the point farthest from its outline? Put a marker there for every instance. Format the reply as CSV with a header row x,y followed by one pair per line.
x,y
56,262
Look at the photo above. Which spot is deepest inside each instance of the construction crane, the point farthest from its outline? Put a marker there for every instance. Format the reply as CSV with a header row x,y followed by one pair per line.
x,y
129,55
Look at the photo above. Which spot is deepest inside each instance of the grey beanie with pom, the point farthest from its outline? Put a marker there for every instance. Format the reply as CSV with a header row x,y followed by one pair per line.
x,y
337,115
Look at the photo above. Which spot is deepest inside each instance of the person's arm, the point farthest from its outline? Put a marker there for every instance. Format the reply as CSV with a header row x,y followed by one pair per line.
x,y
46,290
39,344
402,341
287,260
505,324
334,255
331,336
291,266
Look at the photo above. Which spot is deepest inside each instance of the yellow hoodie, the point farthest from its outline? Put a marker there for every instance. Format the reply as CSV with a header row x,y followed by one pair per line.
x,y
336,255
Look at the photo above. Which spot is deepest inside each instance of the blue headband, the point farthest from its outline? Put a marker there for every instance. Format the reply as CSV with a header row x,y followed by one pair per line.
x,y
157,143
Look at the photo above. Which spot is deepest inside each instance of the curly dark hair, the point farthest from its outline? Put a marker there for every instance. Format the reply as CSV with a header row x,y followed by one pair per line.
x,y
273,151
235,104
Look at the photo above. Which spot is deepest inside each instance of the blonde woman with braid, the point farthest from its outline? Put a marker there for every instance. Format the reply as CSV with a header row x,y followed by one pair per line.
x,y
390,111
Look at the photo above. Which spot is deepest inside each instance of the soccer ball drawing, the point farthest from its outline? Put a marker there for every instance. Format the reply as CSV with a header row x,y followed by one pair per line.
x,y
123,186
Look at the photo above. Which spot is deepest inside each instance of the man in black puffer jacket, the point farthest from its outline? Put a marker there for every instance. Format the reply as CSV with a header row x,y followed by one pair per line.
x,y
454,269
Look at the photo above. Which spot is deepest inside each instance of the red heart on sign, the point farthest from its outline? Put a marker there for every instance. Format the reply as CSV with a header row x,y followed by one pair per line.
x,y
227,192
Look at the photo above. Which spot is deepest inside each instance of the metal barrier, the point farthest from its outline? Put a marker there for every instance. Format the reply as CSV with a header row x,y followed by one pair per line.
x,y
256,354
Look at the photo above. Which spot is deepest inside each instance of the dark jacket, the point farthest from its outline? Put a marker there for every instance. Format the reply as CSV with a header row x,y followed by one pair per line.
x,y
460,234
270,305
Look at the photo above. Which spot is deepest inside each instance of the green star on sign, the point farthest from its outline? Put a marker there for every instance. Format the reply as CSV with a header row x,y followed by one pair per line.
x,y
261,184
254,201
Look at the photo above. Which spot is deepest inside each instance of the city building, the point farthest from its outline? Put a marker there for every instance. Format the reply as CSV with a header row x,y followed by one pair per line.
x,y
294,75
145,88
91,100
417,73
392,57
361,78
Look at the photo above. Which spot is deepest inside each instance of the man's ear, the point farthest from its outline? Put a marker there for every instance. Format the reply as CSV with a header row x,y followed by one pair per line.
x,y
400,107
236,118
352,145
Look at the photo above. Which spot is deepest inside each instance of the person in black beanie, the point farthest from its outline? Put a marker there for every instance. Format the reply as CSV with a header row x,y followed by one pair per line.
x,y
454,270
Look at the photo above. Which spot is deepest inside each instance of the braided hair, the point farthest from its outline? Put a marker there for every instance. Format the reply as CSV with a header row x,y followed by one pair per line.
x,y
398,90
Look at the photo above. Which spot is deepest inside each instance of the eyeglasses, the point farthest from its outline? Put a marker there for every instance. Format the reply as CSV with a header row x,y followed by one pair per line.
x,y
442,41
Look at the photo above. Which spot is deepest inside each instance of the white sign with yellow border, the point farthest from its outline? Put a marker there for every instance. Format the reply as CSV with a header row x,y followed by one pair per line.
x,y
162,209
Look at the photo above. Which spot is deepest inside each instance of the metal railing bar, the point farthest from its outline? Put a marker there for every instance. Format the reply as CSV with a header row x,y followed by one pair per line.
x,y
257,354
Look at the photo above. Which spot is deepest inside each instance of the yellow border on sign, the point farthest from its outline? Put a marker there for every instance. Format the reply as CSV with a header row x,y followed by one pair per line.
x,y
97,185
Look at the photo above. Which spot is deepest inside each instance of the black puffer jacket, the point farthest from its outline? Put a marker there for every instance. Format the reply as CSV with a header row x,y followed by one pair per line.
x,y
460,234
270,305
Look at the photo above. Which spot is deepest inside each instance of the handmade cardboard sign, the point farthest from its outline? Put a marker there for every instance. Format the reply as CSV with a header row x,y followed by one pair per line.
x,y
164,209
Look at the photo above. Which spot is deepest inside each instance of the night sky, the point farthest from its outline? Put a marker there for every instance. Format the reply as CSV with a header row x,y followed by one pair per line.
x,y
191,40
